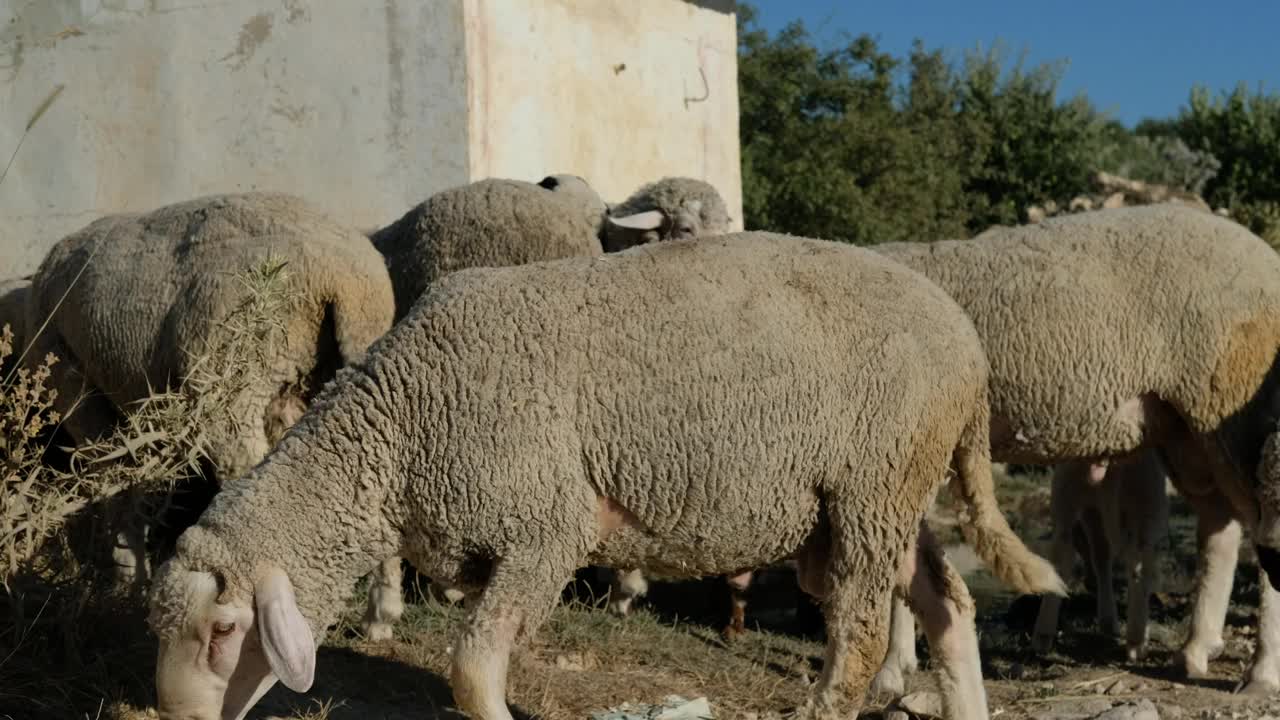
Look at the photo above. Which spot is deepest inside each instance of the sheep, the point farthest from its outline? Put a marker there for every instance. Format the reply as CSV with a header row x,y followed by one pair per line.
x,y
689,407
1120,506
1114,331
491,222
499,222
672,208
131,298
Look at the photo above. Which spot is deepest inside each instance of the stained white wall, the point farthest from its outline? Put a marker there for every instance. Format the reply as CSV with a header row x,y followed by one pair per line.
x,y
364,107
612,90
357,106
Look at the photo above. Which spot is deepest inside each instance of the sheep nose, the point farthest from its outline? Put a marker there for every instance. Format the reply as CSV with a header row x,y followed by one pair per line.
x,y
1269,561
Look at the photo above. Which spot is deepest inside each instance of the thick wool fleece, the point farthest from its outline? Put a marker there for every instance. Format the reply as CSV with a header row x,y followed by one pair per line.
x,y
1101,327
488,223
156,286
726,398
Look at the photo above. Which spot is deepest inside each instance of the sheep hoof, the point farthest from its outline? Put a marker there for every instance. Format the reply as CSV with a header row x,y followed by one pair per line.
x,y
1137,653
732,632
378,631
888,682
1259,688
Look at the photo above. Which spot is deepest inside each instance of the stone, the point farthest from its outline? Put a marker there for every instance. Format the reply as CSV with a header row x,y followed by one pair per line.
x,y
923,703
1114,200
1141,710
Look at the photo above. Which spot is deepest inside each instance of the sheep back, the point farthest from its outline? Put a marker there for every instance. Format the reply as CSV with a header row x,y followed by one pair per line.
x,y
145,291
488,223
1087,317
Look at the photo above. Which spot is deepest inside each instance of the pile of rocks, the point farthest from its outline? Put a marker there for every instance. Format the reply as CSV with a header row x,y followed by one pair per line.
x,y
1113,191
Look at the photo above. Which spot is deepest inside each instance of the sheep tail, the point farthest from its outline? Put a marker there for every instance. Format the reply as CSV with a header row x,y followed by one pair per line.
x,y
983,525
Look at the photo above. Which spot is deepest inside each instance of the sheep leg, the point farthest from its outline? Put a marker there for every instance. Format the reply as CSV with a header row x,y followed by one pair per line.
x,y
1141,570
738,585
855,606
1263,678
625,587
940,598
901,658
386,604
1218,541
1070,485
1102,561
520,595
1145,506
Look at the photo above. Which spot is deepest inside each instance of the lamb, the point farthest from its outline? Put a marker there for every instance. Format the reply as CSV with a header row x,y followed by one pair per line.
x,y
690,407
144,291
1120,506
672,208
488,223
1114,331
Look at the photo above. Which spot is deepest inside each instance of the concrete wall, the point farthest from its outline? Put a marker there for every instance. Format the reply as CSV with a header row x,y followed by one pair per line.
x,y
364,107
611,90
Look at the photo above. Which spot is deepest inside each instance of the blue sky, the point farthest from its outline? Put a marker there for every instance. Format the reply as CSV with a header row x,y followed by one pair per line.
x,y
1133,59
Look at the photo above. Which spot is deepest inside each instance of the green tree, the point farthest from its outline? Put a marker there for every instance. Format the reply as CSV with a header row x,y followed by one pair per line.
x,y
854,144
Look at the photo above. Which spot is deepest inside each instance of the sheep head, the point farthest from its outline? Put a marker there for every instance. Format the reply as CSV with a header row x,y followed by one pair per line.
x,y
220,650
676,208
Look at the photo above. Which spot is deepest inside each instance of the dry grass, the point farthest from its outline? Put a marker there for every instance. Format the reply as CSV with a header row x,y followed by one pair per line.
x,y
75,644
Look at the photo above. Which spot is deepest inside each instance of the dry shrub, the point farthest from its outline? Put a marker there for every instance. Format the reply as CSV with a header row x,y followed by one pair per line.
x,y
72,638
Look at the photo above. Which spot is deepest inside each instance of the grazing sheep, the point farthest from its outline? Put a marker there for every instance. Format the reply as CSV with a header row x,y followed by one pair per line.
x,y
1121,506
1142,327
693,408
489,223
673,208
144,292
496,223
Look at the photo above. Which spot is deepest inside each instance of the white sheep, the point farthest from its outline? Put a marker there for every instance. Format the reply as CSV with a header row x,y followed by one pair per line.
x,y
489,223
1142,327
694,408
500,222
131,300
672,208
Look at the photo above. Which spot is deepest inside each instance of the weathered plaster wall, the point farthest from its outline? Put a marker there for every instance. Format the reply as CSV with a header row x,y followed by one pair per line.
x,y
357,106
607,89
364,107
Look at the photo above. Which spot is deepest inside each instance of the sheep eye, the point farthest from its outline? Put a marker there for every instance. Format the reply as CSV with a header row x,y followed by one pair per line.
x,y
220,629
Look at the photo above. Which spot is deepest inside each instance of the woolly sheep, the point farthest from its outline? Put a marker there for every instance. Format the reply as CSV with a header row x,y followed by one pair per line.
x,y
143,292
689,407
494,223
1140,327
489,223
1121,506
673,208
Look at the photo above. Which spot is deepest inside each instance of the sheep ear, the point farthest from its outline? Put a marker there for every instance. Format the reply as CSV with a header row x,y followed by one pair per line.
x,y
550,182
285,635
651,220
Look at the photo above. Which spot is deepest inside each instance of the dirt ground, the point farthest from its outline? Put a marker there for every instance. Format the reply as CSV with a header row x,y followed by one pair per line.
x,y
585,660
